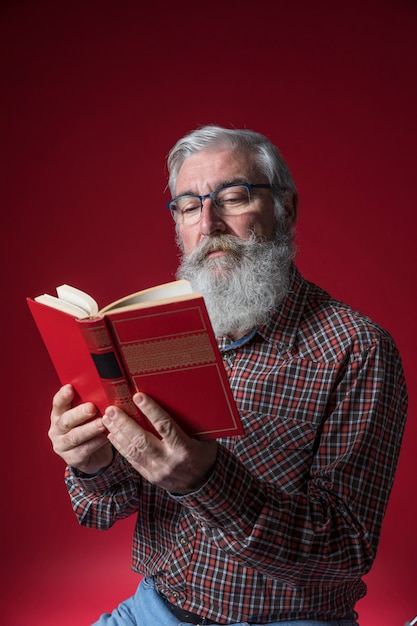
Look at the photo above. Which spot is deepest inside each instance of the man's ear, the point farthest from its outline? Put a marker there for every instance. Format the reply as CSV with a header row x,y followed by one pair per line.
x,y
291,208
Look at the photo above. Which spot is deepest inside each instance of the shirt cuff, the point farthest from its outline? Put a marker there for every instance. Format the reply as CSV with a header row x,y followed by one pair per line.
x,y
231,497
107,478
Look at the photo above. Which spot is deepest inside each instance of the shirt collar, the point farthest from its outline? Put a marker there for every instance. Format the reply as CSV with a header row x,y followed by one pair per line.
x,y
282,326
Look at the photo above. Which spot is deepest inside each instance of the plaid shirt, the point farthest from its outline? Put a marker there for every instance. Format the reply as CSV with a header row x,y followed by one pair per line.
x,y
290,517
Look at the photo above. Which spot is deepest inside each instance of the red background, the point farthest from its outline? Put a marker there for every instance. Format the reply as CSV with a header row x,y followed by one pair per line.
x,y
94,93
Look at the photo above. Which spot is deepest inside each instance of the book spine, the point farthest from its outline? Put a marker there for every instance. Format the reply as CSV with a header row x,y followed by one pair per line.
x,y
103,350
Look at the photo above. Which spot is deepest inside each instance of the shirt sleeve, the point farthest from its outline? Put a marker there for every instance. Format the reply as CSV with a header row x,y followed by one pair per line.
x,y
328,529
102,499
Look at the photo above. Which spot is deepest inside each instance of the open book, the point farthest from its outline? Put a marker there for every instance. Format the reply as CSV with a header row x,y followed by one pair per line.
x,y
159,341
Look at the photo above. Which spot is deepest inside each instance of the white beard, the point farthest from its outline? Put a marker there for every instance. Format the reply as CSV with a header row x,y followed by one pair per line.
x,y
242,288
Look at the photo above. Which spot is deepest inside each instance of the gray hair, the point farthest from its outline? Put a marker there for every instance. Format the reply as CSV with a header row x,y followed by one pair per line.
x,y
267,156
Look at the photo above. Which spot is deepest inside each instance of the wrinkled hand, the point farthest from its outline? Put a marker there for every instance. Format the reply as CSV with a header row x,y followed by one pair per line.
x,y
77,435
176,462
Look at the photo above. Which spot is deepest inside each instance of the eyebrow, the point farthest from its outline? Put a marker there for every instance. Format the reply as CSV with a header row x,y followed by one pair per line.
x,y
223,183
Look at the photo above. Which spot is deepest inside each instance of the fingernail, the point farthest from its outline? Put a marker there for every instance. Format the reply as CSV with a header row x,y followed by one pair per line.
x,y
110,413
89,410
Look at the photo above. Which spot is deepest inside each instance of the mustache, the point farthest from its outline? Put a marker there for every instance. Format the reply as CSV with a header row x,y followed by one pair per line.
x,y
224,243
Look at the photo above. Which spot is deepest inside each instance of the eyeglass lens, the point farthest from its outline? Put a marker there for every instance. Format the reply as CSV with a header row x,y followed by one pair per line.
x,y
230,200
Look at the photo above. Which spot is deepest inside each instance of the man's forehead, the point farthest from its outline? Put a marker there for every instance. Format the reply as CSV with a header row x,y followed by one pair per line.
x,y
214,168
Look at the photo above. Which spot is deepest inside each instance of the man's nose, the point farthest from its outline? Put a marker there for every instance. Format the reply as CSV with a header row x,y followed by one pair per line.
x,y
211,220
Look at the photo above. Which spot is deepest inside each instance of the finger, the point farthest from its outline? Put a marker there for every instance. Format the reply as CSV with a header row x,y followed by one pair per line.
x,y
62,400
164,425
79,415
63,417
128,437
120,426
64,439
82,453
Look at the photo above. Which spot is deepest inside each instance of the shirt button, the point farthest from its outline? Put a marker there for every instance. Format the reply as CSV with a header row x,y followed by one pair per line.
x,y
184,541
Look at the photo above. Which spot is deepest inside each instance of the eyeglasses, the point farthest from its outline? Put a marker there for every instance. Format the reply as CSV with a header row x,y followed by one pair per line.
x,y
228,200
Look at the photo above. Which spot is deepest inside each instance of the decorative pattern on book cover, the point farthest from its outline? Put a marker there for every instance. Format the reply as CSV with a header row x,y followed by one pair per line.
x,y
170,353
105,357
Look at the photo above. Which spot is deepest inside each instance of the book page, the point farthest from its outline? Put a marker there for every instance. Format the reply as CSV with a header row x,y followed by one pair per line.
x,y
61,305
79,298
174,289
70,300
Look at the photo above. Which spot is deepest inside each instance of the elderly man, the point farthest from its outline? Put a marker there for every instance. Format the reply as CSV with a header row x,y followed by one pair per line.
x,y
277,526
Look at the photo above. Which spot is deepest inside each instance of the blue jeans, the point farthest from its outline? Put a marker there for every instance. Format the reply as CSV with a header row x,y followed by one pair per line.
x,y
147,608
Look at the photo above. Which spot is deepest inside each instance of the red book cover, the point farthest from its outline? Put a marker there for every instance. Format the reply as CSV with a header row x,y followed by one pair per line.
x,y
166,349
171,354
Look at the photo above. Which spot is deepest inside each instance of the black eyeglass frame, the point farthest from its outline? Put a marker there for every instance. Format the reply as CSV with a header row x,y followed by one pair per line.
x,y
249,187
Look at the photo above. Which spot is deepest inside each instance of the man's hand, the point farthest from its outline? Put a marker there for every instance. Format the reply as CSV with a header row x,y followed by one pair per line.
x,y
175,462
77,435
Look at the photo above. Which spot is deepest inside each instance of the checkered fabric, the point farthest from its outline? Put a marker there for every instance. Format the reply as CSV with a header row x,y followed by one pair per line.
x,y
290,518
